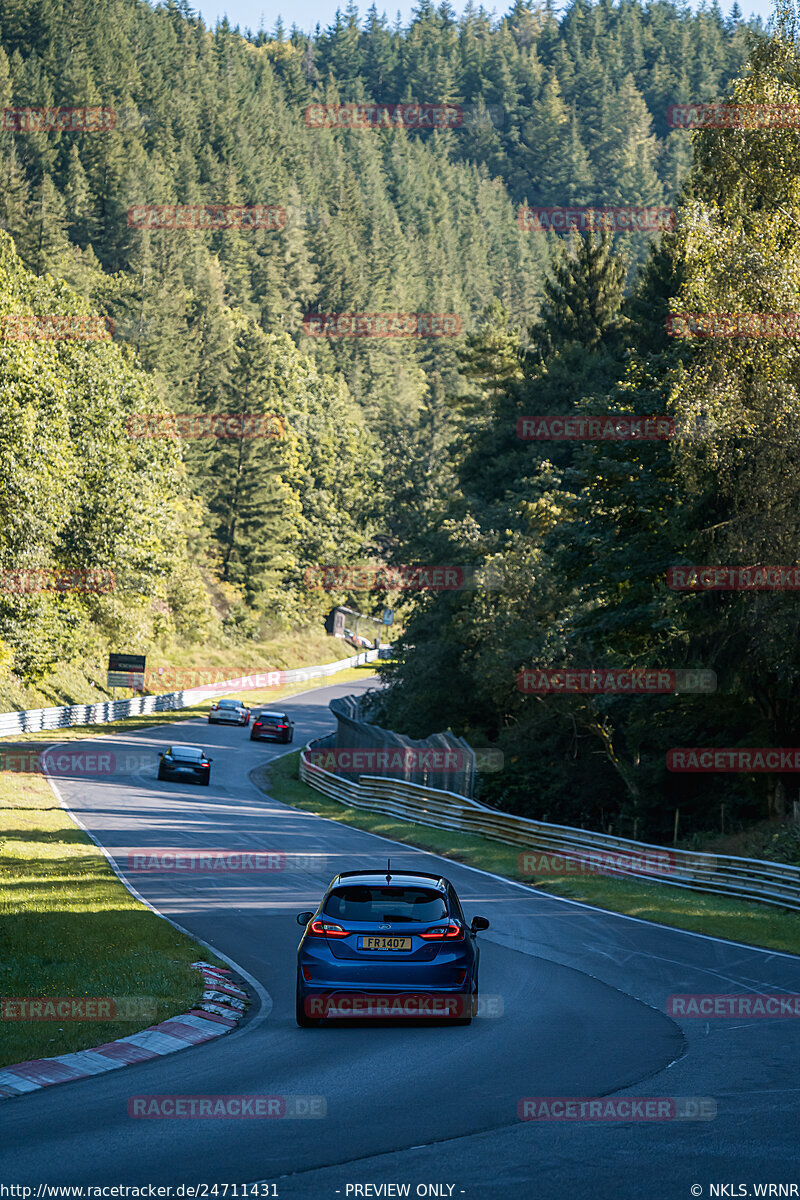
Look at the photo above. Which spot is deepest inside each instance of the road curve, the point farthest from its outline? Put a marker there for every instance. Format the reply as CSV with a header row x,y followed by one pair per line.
x,y
583,994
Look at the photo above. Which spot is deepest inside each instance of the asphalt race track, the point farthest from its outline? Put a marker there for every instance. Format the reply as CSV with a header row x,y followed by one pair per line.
x,y
583,996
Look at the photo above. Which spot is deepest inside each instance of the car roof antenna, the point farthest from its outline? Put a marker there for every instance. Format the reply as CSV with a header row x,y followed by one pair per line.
x,y
388,870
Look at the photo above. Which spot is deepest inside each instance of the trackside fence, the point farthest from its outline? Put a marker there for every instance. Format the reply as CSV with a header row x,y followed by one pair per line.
x,y
356,733
749,879
33,719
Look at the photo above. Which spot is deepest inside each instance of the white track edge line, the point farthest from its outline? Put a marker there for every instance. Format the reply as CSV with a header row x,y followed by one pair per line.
x,y
260,990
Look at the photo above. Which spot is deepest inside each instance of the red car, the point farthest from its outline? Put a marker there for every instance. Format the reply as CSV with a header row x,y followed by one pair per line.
x,y
276,726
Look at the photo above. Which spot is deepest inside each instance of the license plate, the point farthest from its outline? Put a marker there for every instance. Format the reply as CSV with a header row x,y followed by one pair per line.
x,y
376,942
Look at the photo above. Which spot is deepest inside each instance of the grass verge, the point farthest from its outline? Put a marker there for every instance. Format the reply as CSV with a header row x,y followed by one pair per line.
x,y
69,928
701,912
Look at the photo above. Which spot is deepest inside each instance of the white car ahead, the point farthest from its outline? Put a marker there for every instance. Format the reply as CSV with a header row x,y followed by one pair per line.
x,y
229,712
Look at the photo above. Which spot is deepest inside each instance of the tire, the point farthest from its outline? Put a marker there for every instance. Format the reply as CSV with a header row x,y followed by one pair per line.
x,y
290,737
473,1007
253,737
206,780
303,1021
161,774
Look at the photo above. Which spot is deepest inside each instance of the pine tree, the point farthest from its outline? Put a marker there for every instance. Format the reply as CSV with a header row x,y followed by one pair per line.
x,y
490,362
545,140
50,245
578,182
253,507
79,200
15,201
380,57
631,151
584,297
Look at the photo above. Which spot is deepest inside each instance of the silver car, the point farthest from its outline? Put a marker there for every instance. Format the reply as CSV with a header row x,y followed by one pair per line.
x,y
229,712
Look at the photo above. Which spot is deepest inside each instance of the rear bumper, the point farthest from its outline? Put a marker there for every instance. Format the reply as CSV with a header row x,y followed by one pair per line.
x,y
315,987
400,1005
448,973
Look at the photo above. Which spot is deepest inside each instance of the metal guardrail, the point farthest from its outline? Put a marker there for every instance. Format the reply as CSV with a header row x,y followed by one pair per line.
x,y
33,719
749,879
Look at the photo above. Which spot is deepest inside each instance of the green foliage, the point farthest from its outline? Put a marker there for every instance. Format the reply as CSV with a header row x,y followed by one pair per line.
x,y
77,494
583,533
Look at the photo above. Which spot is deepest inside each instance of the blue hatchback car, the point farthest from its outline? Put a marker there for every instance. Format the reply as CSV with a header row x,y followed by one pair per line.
x,y
388,944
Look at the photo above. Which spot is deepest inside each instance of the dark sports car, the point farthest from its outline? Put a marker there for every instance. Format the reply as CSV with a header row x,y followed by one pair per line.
x,y
187,763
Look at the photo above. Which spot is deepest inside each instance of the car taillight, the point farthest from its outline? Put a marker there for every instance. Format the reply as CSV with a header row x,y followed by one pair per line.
x,y
256,724
444,933
326,929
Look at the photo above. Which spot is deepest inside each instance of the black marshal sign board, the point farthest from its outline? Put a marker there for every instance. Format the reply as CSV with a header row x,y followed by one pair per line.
x,y
125,670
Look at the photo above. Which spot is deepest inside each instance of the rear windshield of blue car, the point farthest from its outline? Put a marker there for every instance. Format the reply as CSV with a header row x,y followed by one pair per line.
x,y
385,904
